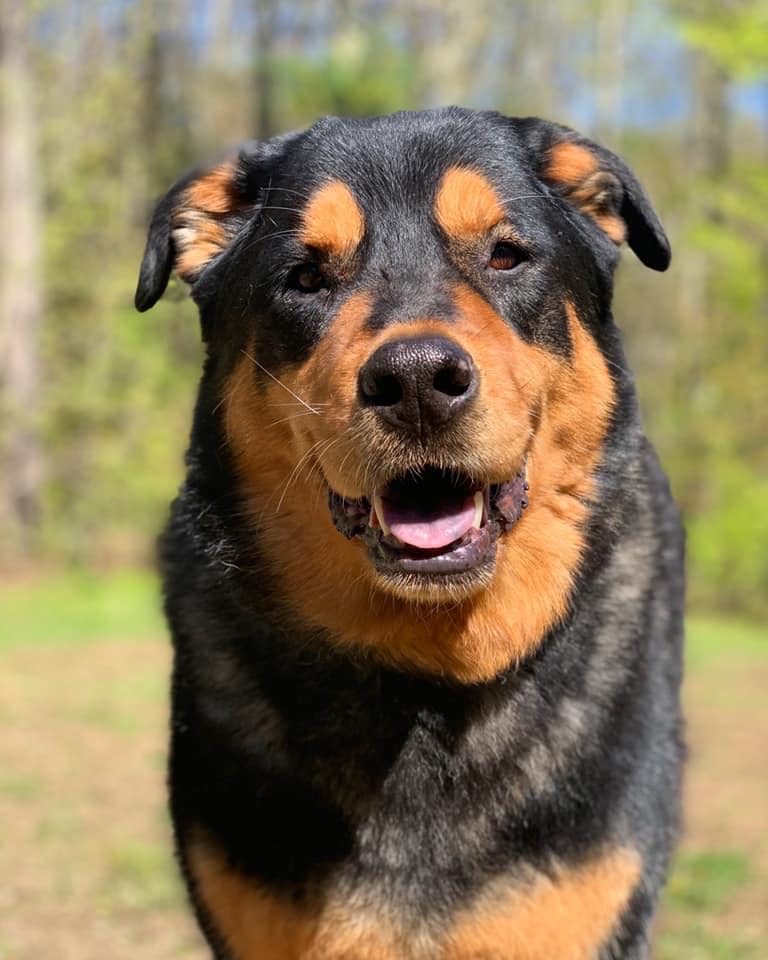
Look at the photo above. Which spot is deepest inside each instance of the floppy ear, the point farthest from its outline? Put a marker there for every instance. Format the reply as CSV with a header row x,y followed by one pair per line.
x,y
200,216
599,183
192,223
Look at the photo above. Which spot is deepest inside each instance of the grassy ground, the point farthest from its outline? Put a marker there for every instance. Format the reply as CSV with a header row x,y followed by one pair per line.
x,y
84,840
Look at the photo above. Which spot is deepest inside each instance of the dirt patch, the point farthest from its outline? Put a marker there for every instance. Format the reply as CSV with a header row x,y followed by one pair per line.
x,y
727,776
726,789
86,863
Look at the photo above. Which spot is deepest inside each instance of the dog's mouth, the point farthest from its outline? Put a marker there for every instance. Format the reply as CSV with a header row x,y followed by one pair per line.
x,y
432,523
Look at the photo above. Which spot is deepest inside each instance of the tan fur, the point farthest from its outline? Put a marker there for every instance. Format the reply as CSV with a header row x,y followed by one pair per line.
x,y
257,924
531,404
333,221
200,221
570,164
566,916
214,192
575,169
591,196
198,241
612,225
466,205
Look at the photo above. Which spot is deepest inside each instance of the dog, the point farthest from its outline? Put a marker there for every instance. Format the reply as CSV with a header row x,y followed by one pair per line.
x,y
424,577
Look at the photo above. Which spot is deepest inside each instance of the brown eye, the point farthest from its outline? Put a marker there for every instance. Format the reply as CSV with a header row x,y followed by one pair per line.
x,y
307,277
504,256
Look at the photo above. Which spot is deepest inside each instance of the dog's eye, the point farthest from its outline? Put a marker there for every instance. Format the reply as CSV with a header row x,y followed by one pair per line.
x,y
504,256
307,278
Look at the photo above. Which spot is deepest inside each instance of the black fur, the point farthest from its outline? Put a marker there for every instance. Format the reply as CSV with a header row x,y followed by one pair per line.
x,y
301,760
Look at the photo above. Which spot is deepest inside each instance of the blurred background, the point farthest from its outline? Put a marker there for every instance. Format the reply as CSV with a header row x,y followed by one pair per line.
x,y
105,104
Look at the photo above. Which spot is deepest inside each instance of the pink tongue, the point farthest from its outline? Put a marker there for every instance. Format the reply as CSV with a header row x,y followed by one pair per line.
x,y
429,529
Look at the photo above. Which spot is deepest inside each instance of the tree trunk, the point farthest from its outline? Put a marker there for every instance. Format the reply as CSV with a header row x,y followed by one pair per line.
x,y
21,299
264,120
610,38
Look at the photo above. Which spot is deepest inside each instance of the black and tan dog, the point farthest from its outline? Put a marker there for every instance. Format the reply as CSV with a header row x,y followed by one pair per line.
x,y
424,576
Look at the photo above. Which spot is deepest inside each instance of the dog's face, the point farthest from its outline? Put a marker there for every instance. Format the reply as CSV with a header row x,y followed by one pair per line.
x,y
404,317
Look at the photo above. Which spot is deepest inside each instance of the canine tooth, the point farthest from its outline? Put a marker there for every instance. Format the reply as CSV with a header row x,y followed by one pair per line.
x,y
477,522
379,508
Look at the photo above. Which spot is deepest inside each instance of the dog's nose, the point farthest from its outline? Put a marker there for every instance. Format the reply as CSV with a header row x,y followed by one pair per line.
x,y
418,384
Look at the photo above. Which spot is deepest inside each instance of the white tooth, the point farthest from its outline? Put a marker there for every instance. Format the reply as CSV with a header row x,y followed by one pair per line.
x,y
478,519
378,507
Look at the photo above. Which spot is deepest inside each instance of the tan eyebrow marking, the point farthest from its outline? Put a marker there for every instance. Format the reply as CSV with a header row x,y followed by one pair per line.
x,y
333,221
466,204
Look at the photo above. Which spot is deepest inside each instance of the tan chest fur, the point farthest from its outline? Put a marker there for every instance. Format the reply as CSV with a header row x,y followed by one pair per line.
x,y
567,914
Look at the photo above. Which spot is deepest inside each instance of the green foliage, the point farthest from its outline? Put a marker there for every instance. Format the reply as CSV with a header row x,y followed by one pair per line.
x,y
735,35
727,543
361,74
727,513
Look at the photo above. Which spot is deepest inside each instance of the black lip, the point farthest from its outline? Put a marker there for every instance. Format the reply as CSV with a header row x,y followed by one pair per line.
x,y
476,549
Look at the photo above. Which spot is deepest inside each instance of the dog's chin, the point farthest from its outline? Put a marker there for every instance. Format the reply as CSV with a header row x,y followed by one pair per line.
x,y
435,589
432,536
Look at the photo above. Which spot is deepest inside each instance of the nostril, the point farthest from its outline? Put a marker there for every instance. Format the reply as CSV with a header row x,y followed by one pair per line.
x,y
453,379
381,390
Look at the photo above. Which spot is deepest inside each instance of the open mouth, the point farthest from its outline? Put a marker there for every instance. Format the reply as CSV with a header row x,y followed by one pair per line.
x,y
433,522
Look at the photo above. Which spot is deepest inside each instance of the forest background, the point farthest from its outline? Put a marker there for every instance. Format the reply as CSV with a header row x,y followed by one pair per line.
x,y
104,104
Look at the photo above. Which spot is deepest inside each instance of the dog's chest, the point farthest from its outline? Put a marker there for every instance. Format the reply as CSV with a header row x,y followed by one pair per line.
x,y
566,912
427,858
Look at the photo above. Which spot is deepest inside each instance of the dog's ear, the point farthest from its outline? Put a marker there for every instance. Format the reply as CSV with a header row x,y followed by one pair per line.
x,y
600,184
194,222
200,216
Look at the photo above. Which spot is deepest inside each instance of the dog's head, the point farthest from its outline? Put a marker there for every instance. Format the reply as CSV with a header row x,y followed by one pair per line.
x,y
406,319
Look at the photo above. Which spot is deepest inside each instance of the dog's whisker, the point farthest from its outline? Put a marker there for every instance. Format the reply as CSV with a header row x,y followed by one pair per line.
x,y
314,463
316,449
529,196
273,206
293,403
294,472
297,193
280,382
295,416
268,236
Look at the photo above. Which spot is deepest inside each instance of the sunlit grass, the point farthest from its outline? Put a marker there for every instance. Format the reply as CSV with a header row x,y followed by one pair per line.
x,y
80,607
699,892
140,876
704,881
709,638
